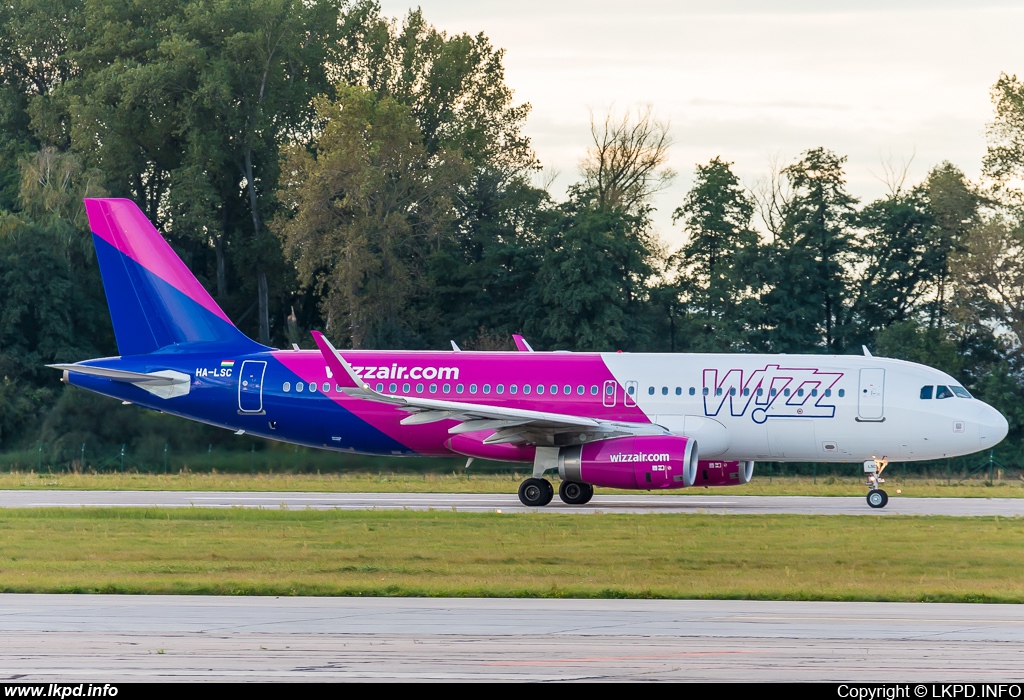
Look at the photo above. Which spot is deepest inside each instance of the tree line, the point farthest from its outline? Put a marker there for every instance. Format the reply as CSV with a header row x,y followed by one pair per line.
x,y
320,165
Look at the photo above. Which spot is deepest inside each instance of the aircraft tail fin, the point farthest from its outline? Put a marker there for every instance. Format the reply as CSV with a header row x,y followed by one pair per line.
x,y
155,301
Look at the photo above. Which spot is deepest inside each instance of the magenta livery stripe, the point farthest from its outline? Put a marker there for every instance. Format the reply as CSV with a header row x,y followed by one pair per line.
x,y
114,220
450,369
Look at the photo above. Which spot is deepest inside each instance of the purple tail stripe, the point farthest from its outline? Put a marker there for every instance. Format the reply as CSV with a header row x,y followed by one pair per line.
x,y
120,223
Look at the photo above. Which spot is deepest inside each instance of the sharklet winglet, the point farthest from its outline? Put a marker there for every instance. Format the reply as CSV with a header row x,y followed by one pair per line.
x,y
337,363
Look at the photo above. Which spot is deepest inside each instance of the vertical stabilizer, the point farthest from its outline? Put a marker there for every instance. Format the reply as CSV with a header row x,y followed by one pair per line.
x,y
155,301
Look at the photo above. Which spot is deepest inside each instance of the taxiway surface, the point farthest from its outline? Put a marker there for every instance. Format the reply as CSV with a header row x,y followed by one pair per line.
x,y
102,639
507,503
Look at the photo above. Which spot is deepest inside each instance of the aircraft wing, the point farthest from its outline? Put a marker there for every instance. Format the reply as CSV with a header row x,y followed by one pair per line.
x,y
509,424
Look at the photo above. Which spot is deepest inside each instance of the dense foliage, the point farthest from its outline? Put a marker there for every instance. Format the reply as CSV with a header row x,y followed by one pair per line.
x,y
319,165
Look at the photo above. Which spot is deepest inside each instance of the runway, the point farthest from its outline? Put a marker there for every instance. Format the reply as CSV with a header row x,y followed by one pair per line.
x,y
113,639
509,503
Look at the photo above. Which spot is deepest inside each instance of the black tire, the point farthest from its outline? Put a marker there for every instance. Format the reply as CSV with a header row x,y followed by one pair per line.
x,y
877,498
536,492
575,493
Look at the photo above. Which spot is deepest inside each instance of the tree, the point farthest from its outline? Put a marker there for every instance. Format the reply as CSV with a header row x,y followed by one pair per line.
x,y
625,166
367,205
805,267
955,205
989,274
591,284
901,260
715,265
185,106
1004,159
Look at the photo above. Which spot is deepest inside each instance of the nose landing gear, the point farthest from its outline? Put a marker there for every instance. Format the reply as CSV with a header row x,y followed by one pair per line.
x,y
877,498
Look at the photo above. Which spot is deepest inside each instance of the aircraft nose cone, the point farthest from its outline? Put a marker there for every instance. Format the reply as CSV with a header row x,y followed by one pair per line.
x,y
993,427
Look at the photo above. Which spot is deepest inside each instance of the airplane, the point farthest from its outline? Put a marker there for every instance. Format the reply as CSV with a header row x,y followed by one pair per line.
x,y
637,421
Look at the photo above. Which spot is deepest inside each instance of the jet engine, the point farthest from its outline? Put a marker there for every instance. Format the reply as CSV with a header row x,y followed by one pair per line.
x,y
716,473
635,462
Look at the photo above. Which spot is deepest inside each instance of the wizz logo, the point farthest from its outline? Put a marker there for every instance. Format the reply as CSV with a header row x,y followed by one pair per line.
x,y
773,391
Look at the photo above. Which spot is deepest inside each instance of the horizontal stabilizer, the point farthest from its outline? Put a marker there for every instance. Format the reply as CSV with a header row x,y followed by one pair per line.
x,y
120,375
166,384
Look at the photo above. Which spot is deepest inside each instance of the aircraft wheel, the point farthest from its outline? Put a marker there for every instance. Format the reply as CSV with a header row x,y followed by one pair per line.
x,y
877,498
536,492
575,493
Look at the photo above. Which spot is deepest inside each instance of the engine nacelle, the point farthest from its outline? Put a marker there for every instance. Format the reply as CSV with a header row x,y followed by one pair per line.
x,y
715,473
635,462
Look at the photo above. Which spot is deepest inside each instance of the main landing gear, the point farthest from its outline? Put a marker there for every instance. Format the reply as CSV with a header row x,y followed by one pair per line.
x,y
539,492
877,498
574,493
536,492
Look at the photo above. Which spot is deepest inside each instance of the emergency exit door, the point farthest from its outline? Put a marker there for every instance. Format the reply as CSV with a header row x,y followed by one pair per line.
x,y
871,395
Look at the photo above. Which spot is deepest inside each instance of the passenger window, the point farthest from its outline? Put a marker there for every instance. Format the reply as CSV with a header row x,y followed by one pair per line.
x,y
828,392
785,392
447,388
746,391
593,389
337,388
842,393
704,391
406,388
580,389
926,392
287,387
609,390
472,388
760,391
943,392
433,388
540,388
732,391
566,389
650,390
961,392
692,391
312,387
799,392
679,391
554,389
526,388
460,388
814,392
299,386
380,387
664,391
630,390
513,389
500,388
773,392
393,388
718,391
487,388
419,388
326,387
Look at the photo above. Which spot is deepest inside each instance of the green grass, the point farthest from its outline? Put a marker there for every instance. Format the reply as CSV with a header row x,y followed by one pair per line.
x,y
392,553
484,483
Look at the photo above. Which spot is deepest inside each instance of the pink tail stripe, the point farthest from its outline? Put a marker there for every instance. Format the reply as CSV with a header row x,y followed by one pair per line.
x,y
122,224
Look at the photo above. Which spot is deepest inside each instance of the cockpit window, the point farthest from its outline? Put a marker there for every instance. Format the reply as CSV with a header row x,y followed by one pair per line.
x,y
961,392
926,392
943,392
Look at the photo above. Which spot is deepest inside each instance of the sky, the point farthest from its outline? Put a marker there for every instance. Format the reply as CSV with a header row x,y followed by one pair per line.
x,y
901,81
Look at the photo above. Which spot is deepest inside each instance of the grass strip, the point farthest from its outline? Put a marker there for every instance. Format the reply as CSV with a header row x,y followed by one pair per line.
x,y
485,483
352,553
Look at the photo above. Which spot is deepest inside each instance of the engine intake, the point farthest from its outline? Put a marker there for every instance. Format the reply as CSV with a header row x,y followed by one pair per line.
x,y
635,462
